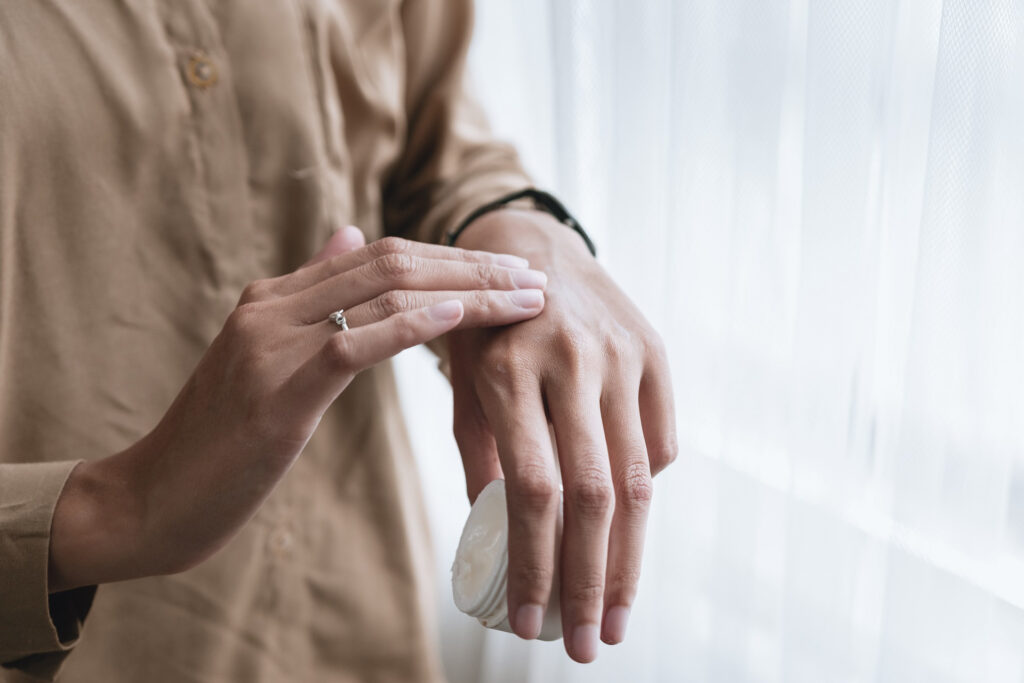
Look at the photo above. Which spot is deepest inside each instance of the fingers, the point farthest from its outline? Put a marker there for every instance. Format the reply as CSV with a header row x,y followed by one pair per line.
x,y
484,308
348,238
589,500
319,380
333,259
658,412
631,477
404,272
531,483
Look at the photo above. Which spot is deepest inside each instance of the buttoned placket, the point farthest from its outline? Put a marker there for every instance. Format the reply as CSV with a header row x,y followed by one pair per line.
x,y
217,146
221,169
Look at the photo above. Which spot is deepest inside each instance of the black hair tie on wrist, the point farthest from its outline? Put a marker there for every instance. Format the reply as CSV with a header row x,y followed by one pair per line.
x,y
541,200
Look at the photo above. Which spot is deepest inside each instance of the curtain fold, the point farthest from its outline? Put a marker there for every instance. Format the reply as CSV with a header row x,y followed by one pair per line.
x,y
821,207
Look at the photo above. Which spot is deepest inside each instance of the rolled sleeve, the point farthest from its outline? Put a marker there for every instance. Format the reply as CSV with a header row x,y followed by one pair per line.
x,y
37,630
451,163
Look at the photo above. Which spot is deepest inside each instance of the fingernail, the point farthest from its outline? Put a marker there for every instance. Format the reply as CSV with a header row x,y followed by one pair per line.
x,y
529,619
615,625
527,298
529,279
584,643
510,261
351,235
446,311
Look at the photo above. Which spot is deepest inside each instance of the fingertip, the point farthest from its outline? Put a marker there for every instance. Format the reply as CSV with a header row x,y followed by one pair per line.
x,y
528,299
343,240
511,261
450,311
349,238
528,621
615,621
582,645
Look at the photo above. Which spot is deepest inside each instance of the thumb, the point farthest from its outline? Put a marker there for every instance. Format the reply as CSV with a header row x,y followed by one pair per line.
x,y
348,238
475,441
472,431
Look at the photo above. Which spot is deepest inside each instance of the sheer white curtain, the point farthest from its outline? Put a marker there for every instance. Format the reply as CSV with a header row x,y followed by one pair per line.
x,y
820,204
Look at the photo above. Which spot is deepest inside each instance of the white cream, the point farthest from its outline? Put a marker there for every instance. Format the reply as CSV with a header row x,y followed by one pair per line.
x,y
480,570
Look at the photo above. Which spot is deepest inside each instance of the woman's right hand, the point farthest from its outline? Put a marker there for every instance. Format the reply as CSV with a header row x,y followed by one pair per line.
x,y
172,499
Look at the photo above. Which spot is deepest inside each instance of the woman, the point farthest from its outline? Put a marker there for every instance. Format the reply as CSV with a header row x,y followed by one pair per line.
x,y
166,167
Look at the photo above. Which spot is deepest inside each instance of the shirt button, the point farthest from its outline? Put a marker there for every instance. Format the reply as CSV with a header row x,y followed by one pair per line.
x,y
280,542
201,71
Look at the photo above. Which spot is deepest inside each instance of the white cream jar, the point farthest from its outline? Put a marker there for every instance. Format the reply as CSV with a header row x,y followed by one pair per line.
x,y
480,571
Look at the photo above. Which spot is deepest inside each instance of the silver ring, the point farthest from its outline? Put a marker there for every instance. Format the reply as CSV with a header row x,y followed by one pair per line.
x,y
338,318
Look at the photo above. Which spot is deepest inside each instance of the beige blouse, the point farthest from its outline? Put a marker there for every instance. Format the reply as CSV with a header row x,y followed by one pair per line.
x,y
156,156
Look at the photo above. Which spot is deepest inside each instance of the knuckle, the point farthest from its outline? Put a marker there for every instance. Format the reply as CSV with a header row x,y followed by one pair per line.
x,y
663,454
395,267
624,581
534,489
587,589
482,275
621,353
655,346
506,371
464,254
494,355
531,575
339,351
575,349
635,489
258,290
243,320
391,245
479,302
392,301
590,493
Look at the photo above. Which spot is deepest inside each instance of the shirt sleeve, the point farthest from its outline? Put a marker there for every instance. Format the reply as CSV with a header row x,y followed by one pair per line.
x,y
451,163
37,630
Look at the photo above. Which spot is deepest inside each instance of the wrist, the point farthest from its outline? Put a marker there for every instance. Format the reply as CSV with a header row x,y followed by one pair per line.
x,y
95,530
530,198
531,233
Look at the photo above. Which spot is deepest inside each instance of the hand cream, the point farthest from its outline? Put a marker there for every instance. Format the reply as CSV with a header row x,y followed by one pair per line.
x,y
480,571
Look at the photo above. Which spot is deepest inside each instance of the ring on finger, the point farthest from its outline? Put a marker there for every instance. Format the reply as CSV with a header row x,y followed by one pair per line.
x,y
338,318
